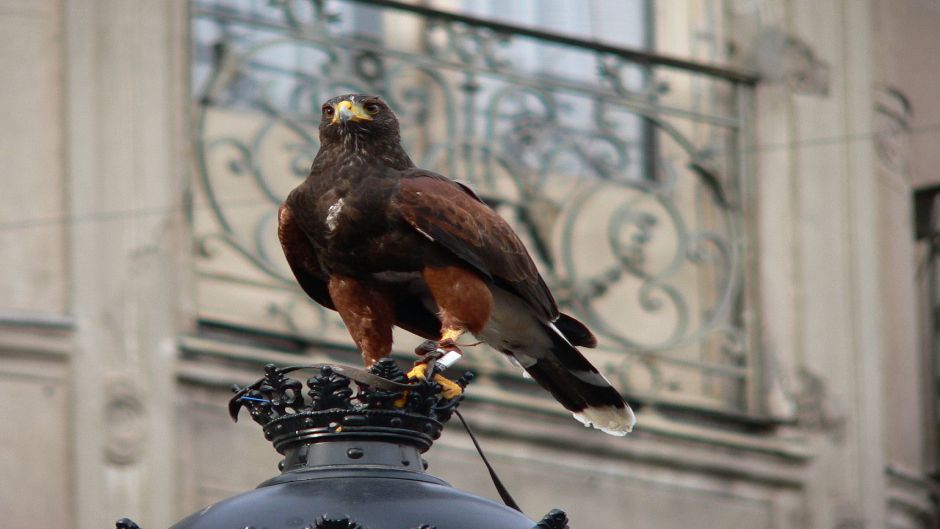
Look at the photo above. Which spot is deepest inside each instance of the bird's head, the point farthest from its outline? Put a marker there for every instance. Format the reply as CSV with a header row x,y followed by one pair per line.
x,y
358,128
357,116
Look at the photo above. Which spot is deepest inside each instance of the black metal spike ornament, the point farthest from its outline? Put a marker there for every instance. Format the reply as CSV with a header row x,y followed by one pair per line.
x,y
351,442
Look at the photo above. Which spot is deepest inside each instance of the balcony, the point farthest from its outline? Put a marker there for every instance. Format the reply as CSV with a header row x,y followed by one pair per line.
x,y
623,171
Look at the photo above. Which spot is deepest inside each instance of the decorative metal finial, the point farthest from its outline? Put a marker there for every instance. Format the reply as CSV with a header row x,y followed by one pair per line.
x,y
384,405
334,522
126,523
555,519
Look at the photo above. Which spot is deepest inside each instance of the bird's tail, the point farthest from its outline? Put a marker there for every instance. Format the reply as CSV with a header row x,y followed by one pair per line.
x,y
580,388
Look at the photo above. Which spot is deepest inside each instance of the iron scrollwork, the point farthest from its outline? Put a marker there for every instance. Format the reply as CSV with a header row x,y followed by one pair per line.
x,y
628,195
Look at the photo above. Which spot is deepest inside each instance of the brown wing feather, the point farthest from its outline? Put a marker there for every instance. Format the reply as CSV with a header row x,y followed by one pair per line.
x,y
302,258
452,216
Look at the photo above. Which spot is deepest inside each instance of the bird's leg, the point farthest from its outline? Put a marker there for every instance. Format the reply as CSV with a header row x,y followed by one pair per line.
x,y
368,314
465,303
442,354
449,337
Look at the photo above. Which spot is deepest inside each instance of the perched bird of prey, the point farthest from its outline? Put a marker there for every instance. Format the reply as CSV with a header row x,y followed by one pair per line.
x,y
385,243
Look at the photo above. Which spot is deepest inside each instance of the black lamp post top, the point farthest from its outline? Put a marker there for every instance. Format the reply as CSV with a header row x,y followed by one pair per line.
x,y
352,441
386,406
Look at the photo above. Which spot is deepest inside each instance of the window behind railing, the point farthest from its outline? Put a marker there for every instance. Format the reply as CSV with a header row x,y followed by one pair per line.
x,y
621,170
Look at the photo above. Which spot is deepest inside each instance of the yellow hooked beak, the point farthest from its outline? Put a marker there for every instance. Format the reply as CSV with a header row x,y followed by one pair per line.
x,y
349,111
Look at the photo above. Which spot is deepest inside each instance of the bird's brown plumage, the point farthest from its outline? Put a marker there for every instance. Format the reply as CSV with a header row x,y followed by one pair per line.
x,y
385,243
452,216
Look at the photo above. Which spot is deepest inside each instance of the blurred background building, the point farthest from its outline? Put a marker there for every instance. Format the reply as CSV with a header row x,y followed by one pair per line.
x,y
722,189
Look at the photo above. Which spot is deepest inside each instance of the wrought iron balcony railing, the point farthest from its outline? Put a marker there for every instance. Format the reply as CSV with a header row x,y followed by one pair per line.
x,y
622,169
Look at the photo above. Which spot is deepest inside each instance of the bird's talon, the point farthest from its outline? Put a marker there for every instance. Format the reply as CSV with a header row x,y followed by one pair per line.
x,y
449,388
418,372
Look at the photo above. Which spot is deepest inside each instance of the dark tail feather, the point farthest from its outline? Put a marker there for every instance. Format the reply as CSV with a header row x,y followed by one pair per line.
x,y
575,331
581,389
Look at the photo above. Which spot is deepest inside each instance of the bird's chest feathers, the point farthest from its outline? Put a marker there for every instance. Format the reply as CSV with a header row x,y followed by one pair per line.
x,y
352,207
353,224
332,215
347,218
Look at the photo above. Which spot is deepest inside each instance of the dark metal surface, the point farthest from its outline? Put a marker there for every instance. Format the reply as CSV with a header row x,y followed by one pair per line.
x,y
352,458
373,497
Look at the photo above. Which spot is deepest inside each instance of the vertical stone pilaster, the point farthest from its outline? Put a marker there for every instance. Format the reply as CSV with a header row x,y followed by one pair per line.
x,y
819,251
868,353
124,100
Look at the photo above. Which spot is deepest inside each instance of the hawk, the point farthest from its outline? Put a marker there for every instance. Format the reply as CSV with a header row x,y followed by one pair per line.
x,y
385,243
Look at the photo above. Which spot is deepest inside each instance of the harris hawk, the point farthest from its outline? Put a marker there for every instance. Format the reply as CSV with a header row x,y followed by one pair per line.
x,y
385,243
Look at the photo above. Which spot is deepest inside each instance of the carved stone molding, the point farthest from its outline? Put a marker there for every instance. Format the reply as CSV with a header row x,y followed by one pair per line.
x,y
124,420
784,58
912,496
817,410
893,113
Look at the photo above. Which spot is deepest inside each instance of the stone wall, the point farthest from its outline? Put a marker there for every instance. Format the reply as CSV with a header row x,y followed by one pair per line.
x,y
116,395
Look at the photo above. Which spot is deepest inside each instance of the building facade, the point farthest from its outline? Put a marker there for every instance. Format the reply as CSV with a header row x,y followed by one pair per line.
x,y
722,189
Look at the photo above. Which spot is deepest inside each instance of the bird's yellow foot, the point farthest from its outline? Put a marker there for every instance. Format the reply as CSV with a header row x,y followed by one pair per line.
x,y
449,388
418,372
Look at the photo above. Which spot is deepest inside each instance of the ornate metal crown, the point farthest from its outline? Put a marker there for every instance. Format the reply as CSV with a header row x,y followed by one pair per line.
x,y
343,403
385,405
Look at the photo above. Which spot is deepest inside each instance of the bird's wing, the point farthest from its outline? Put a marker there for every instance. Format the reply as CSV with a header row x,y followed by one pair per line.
x,y
302,258
410,313
451,215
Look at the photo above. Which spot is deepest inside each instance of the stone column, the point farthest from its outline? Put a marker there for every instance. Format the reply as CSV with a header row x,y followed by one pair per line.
x,y
819,225
125,138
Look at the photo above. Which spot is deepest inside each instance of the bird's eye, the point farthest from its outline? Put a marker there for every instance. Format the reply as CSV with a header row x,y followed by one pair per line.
x,y
328,110
372,108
